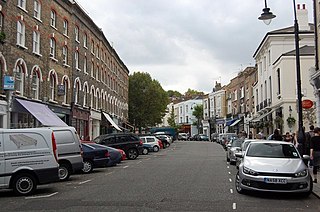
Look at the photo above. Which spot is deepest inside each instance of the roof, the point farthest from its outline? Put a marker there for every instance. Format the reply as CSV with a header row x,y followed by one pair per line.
x,y
284,31
304,51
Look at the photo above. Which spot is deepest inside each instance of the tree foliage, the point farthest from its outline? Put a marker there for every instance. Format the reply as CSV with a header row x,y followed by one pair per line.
x,y
198,113
191,92
172,93
147,100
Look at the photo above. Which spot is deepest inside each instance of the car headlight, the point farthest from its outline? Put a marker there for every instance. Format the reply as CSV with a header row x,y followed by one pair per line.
x,y
301,174
246,170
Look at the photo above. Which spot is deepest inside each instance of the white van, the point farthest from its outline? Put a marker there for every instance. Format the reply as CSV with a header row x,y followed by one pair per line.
x,y
69,151
27,158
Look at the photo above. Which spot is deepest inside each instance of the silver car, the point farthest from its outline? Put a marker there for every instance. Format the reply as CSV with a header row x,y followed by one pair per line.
x,y
233,147
273,166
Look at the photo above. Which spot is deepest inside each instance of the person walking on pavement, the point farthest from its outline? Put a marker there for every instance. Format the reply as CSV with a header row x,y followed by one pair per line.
x,y
276,135
288,137
309,135
315,152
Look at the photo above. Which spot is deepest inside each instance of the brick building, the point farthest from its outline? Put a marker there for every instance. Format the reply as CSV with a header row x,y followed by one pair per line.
x,y
61,60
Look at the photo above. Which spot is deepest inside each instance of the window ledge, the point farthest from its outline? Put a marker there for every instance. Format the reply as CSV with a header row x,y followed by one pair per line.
x,y
54,27
20,46
92,77
38,19
66,35
85,47
77,41
22,9
85,107
54,59
37,54
52,101
78,69
65,104
37,100
66,65
86,73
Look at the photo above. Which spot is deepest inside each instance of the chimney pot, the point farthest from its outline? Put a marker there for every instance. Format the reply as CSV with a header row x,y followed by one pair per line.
x,y
298,6
304,6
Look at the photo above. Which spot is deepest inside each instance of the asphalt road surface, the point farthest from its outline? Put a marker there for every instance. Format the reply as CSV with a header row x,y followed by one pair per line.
x,y
188,176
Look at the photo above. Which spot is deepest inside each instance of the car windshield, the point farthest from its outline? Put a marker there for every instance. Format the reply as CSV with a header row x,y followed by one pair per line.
x,y
272,150
245,145
236,143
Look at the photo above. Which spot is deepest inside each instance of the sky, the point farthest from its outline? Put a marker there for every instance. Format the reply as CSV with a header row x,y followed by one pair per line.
x,y
188,43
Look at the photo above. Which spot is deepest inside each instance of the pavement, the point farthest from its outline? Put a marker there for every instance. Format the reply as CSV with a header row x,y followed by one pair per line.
x,y
316,189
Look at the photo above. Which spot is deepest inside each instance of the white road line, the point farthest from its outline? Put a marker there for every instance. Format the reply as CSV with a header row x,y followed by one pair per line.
x,y
139,162
84,182
148,159
125,167
234,206
109,173
227,167
231,190
230,180
229,172
154,156
42,196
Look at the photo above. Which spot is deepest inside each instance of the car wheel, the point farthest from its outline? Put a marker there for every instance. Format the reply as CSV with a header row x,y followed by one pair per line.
x,y
306,194
24,184
145,151
87,166
156,149
167,144
64,172
132,154
238,188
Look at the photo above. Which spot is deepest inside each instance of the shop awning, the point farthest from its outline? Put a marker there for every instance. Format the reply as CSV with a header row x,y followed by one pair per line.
x,y
228,123
235,123
42,113
111,121
262,116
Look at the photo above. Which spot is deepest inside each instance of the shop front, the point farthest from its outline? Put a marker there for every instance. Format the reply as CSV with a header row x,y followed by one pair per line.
x,y
80,121
95,119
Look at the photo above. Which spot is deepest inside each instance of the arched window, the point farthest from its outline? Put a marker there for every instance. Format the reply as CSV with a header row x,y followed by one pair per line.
x,y
66,87
20,33
85,94
77,93
52,47
19,79
52,86
35,83
65,55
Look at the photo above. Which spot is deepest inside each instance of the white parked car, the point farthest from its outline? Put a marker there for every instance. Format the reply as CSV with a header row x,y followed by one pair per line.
x,y
153,142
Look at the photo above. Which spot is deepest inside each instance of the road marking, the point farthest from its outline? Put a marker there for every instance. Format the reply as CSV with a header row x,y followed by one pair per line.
x,y
234,206
230,180
139,162
125,167
84,182
231,190
229,172
148,159
41,196
109,173
154,156
227,167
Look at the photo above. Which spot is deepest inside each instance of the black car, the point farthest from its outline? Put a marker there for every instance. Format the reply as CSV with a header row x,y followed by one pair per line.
x,y
128,142
94,156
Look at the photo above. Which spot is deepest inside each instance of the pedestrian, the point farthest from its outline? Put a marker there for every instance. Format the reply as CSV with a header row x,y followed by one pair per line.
x,y
309,135
250,135
315,152
287,137
276,135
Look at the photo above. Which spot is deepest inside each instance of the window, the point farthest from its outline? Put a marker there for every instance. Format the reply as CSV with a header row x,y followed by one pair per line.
x,y
85,96
92,69
19,79
52,86
92,46
36,42
85,39
85,65
77,93
242,92
35,85
1,20
76,32
53,17
22,4
37,10
65,27
270,88
20,33
52,47
91,99
65,55
279,81
97,73
65,95
76,59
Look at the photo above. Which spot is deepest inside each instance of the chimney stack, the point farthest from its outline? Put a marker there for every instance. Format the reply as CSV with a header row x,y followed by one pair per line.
x,y
302,16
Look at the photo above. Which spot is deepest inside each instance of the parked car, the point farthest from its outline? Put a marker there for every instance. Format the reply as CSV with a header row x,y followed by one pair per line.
x,y
200,137
183,136
233,147
274,166
153,141
225,137
123,154
166,140
94,156
69,151
128,142
28,158
243,148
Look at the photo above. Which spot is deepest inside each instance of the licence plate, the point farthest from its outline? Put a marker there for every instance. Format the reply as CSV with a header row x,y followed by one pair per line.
x,y
275,180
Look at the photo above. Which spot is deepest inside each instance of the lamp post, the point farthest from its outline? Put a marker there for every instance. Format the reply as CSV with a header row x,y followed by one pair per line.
x,y
266,16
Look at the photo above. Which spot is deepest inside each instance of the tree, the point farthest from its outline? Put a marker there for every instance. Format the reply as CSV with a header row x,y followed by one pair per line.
x,y
192,93
172,93
147,100
198,113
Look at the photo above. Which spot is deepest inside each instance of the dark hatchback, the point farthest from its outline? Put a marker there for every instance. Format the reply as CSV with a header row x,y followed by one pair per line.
x,y
128,142
94,156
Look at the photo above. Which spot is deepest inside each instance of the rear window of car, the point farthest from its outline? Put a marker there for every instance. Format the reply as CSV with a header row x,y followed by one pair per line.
x,y
236,143
272,150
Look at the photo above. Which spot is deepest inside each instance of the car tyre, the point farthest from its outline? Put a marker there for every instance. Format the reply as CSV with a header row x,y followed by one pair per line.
x,y
87,167
64,172
228,159
156,149
132,154
306,194
145,151
24,184
237,184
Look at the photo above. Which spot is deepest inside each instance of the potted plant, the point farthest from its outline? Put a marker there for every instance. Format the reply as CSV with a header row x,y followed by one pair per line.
x,y
278,120
291,121
2,37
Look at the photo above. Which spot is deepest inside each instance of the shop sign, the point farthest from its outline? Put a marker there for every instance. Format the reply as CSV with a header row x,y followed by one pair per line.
x,y
307,104
8,83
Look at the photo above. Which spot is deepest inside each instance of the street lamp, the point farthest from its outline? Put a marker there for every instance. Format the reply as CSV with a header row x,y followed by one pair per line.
x,y
267,15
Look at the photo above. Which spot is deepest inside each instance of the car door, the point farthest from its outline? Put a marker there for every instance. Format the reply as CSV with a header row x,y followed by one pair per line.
x,y
2,160
108,141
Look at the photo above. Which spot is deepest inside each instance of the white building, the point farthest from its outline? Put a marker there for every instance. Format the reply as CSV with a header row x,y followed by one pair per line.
x,y
275,91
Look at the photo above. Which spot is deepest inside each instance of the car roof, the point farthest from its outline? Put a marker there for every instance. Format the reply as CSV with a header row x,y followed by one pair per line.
x,y
270,141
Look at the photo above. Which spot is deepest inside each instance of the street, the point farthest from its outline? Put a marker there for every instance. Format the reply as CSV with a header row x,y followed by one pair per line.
x,y
188,176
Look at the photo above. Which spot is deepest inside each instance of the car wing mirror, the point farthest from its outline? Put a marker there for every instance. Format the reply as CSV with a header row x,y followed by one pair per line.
x,y
239,155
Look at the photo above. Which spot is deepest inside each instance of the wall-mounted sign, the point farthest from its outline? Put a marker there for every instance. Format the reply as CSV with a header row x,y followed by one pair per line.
x,y
61,90
307,104
8,83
